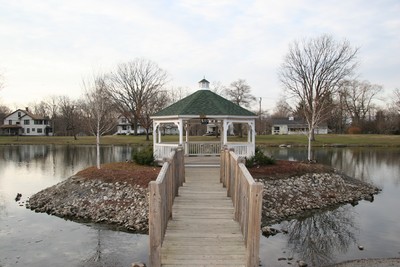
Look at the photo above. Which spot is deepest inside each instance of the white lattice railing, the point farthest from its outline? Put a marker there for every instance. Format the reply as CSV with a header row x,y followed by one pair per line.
x,y
162,151
203,148
243,150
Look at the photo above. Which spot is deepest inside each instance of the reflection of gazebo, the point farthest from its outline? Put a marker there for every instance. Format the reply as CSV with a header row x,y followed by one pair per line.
x,y
203,107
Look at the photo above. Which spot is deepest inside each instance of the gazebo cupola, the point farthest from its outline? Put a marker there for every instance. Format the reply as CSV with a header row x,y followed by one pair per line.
x,y
204,107
204,84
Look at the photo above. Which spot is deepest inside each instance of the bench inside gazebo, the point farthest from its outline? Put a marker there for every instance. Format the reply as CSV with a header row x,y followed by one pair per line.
x,y
204,107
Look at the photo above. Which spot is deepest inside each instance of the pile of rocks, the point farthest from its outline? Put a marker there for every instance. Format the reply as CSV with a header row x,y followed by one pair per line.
x,y
290,197
120,204
126,206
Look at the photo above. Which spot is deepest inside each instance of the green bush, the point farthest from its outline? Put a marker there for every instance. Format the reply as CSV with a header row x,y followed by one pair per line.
x,y
144,156
259,159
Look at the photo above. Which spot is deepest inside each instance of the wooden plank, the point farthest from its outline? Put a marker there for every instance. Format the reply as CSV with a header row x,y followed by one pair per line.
x,y
202,231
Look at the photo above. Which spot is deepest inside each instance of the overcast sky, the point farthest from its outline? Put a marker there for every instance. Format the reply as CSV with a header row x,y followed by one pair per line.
x,y
47,47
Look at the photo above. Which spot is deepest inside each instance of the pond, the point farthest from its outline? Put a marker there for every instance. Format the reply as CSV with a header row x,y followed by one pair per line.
x,y
32,239
337,235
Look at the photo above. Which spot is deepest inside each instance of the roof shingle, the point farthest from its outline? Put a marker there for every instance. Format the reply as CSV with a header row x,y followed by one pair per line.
x,y
204,103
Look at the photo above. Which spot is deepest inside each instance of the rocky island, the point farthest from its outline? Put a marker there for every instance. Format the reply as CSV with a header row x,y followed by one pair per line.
x,y
117,193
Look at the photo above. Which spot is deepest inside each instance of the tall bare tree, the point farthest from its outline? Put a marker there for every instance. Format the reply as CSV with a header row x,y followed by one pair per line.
x,y
239,93
397,99
282,109
358,99
70,111
312,72
135,83
98,109
150,107
4,111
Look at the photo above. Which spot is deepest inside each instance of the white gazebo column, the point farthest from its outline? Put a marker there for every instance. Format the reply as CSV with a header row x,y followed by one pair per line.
x,y
156,139
179,123
252,133
186,146
224,132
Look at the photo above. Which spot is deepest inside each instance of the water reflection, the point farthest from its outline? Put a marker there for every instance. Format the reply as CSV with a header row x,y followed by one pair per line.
x,y
333,236
32,239
319,237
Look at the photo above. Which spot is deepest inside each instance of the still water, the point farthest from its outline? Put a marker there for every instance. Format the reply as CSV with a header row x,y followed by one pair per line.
x,y
335,235
32,239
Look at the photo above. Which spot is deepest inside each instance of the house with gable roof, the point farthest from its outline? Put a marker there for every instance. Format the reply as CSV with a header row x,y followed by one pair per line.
x,y
292,125
23,122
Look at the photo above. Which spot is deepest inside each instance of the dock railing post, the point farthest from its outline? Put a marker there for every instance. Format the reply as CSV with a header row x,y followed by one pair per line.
x,y
162,193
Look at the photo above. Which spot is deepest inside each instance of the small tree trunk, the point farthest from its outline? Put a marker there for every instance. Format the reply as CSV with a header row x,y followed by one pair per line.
x,y
309,145
313,135
98,150
147,135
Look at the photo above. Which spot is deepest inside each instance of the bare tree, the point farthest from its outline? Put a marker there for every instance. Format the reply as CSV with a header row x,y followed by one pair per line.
x,y
358,99
150,107
282,109
133,84
397,99
4,111
239,93
98,109
69,110
176,93
217,87
312,72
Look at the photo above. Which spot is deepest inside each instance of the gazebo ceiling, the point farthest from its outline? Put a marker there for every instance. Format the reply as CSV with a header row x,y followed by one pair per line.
x,y
204,103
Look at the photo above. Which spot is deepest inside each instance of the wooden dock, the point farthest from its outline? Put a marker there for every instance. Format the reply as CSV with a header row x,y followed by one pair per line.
x,y
202,231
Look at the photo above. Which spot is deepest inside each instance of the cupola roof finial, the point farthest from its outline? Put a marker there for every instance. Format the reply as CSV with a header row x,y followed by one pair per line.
x,y
204,84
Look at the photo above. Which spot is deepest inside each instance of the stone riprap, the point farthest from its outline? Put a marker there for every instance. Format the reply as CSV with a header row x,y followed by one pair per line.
x,y
119,204
126,206
293,196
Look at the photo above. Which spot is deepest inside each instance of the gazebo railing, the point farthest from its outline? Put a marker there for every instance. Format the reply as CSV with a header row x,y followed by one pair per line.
x,y
203,148
163,150
242,149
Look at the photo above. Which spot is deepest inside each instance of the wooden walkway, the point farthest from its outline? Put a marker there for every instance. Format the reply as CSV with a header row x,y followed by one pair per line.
x,y
202,231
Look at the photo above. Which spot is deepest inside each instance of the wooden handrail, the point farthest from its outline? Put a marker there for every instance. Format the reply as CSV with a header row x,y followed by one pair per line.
x,y
246,196
162,193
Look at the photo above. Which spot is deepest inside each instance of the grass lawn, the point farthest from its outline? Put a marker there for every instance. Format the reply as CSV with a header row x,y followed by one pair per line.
x,y
265,140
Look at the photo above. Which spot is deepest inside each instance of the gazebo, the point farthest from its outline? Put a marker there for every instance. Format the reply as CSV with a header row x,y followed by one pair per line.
x,y
204,107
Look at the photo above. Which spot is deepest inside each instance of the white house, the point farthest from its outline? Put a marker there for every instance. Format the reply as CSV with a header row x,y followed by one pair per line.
x,y
291,125
23,122
125,127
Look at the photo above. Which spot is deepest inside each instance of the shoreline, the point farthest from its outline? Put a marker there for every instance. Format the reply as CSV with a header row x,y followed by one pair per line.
x,y
124,206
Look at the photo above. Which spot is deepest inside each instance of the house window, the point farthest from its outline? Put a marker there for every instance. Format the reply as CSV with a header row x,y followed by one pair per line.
x,y
28,130
124,127
33,129
27,122
38,122
123,120
19,114
10,122
40,130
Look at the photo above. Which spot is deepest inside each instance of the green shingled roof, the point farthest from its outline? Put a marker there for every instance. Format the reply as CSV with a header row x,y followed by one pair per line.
x,y
204,102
